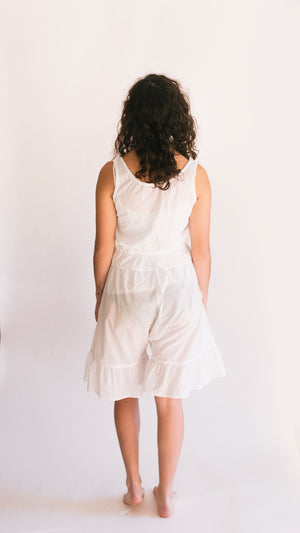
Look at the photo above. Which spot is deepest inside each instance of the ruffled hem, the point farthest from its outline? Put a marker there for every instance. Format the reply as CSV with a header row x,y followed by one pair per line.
x,y
152,376
177,380
114,382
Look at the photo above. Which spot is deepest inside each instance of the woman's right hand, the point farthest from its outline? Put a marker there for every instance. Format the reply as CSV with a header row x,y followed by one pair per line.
x,y
97,307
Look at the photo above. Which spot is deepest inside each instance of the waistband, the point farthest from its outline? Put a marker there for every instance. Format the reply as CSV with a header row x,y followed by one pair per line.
x,y
129,257
163,251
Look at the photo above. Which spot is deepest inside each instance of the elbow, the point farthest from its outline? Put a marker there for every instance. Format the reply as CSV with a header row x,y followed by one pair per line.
x,y
201,252
201,256
103,251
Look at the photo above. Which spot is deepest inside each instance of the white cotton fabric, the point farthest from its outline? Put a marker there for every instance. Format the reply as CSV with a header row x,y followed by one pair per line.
x,y
152,334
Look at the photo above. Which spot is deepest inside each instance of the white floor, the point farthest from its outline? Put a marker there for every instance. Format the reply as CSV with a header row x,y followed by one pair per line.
x,y
261,495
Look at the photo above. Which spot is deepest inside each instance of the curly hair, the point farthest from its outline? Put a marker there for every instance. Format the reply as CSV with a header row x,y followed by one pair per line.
x,y
156,122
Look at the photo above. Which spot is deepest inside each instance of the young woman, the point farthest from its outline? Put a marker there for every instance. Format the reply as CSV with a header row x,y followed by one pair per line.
x,y
152,267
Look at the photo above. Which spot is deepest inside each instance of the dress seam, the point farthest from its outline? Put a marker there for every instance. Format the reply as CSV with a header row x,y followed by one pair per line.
x,y
141,360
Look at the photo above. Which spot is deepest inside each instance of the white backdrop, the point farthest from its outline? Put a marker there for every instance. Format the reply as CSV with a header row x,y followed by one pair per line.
x,y
66,67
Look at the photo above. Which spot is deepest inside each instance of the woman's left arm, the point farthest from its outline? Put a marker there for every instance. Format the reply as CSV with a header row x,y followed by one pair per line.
x,y
106,219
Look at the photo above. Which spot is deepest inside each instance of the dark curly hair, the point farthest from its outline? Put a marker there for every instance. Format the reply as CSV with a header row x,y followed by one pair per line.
x,y
156,122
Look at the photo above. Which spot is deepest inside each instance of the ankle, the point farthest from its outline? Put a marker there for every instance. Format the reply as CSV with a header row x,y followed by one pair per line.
x,y
133,481
164,490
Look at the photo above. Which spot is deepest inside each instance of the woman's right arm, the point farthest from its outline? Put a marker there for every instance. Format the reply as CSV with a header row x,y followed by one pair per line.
x,y
199,223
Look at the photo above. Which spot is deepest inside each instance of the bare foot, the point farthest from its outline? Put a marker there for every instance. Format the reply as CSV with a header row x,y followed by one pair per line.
x,y
165,503
134,495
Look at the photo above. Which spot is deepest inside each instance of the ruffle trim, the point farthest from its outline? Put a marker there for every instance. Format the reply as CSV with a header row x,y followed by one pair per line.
x,y
175,380
152,376
114,382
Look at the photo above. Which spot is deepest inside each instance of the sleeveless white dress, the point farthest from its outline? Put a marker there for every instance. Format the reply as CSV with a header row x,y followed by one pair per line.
x,y
152,334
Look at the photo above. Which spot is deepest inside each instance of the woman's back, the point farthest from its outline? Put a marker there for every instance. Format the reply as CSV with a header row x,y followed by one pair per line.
x,y
150,219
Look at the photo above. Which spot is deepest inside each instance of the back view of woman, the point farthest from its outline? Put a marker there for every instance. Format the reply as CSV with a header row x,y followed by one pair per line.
x,y
152,267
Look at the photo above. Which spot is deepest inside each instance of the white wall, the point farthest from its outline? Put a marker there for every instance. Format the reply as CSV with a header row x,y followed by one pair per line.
x,y
66,68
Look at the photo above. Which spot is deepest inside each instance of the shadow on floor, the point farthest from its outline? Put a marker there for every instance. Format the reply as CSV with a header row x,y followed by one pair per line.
x,y
113,505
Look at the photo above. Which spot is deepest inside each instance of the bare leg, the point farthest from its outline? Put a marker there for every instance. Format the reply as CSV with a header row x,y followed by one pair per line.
x,y
170,430
127,422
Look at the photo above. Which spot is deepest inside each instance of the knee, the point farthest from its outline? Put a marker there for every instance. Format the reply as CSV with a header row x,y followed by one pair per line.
x,y
164,404
127,401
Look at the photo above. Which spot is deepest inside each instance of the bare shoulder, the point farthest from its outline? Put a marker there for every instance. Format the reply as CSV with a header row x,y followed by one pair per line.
x,y
203,187
105,177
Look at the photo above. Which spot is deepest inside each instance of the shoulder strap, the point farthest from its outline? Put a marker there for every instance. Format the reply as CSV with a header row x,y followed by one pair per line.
x,y
190,179
118,173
